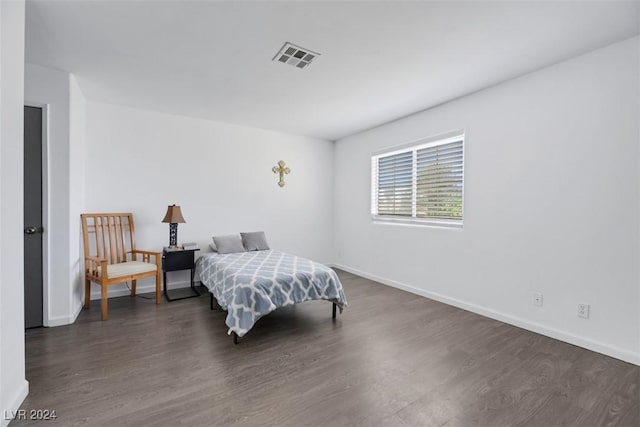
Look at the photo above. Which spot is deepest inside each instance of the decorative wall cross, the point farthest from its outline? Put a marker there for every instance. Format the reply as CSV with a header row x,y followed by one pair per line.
x,y
283,170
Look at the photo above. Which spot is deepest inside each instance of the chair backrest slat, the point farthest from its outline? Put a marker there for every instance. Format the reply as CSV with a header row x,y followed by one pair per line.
x,y
105,248
132,240
109,235
117,225
110,222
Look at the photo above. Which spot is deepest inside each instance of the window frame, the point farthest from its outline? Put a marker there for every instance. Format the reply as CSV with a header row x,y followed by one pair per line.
x,y
414,146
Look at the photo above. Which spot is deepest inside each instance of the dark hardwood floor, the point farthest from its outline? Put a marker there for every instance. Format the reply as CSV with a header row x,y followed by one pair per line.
x,y
391,359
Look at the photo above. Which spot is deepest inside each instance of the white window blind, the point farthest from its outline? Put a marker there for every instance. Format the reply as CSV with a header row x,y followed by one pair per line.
x,y
395,184
420,183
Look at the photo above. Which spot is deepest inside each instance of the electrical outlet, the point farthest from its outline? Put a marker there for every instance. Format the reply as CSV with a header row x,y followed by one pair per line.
x,y
583,311
537,299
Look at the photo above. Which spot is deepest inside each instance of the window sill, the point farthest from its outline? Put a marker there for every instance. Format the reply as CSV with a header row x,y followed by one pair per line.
x,y
412,222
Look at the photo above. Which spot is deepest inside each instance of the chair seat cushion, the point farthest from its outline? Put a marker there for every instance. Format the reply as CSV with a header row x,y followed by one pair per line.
x,y
128,268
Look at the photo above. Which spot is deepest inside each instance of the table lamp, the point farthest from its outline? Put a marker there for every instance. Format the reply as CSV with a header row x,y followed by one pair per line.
x,y
173,217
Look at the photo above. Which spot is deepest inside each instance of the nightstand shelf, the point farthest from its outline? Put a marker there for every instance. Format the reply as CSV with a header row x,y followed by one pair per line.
x,y
176,260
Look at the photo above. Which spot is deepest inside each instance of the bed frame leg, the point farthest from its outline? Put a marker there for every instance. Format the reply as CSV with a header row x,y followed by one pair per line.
x,y
235,337
211,303
333,315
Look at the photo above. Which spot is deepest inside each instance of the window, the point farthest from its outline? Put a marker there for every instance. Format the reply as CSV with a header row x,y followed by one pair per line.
x,y
420,183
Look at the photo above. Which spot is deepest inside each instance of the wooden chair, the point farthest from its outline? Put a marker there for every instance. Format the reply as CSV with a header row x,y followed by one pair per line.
x,y
111,257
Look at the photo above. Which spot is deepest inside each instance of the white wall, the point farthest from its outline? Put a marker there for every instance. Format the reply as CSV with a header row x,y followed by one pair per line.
x,y
551,203
140,161
13,386
65,106
77,133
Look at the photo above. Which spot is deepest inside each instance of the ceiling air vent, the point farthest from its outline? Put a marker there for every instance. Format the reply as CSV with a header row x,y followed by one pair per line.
x,y
295,56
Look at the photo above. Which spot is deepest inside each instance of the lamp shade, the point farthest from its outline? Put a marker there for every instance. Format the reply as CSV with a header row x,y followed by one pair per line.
x,y
173,215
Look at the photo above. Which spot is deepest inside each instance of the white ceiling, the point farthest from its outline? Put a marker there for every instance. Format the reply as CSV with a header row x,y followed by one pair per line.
x,y
380,60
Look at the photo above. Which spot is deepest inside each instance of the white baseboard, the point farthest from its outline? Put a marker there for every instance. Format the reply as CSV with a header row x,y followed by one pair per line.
x,y
583,342
14,403
95,295
76,311
65,320
140,289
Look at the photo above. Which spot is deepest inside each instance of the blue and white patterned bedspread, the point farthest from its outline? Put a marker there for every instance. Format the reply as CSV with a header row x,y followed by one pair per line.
x,y
249,285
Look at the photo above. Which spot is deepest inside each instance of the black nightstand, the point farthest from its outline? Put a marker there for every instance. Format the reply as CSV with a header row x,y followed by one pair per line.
x,y
174,260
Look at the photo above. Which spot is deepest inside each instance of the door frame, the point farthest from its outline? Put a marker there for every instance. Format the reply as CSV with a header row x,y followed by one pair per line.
x,y
45,209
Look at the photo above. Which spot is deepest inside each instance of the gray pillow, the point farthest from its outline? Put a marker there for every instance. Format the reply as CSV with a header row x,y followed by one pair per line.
x,y
228,244
212,246
255,241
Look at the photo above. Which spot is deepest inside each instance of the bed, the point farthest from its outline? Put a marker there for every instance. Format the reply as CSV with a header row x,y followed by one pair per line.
x,y
249,285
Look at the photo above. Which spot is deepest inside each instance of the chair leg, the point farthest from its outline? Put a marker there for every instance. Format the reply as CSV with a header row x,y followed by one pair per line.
x,y
133,287
104,310
87,293
158,295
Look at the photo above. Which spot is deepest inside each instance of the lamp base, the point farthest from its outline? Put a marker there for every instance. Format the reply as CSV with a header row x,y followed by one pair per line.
x,y
173,235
